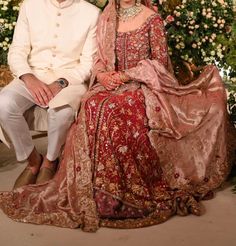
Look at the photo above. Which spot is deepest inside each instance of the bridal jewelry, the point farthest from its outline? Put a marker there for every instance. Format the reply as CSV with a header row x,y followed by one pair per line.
x,y
124,14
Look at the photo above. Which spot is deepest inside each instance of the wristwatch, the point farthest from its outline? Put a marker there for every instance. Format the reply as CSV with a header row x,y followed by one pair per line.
x,y
62,82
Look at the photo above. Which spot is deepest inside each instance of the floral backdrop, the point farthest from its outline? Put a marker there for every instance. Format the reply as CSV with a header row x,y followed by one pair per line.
x,y
200,32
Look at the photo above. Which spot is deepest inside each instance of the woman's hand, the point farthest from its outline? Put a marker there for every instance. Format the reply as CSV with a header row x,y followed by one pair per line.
x,y
110,80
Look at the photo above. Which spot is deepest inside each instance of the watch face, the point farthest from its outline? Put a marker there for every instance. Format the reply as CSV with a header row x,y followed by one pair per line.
x,y
62,83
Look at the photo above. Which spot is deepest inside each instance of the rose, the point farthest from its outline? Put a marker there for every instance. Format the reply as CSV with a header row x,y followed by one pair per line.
x,y
169,19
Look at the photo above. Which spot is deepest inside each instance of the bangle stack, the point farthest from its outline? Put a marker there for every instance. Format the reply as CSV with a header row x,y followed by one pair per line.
x,y
123,77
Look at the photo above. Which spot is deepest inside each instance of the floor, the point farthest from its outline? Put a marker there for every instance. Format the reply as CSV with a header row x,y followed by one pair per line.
x,y
216,227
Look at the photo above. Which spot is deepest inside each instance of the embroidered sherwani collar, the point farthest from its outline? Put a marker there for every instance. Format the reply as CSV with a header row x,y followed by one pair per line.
x,y
62,5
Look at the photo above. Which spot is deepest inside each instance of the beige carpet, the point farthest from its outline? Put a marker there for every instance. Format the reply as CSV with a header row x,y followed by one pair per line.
x,y
217,227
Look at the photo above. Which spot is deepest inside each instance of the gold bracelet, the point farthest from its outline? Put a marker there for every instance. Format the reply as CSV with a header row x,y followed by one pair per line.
x,y
123,77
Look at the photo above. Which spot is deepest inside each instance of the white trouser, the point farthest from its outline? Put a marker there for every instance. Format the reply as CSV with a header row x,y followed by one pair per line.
x,y
13,106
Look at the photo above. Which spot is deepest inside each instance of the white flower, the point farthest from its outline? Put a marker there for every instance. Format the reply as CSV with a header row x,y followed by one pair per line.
x,y
209,15
177,46
194,46
182,45
221,25
16,8
177,14
213,53
191,14
4,8
221,1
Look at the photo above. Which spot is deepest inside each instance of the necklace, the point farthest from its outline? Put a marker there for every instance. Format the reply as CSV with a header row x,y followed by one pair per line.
x,y
124,14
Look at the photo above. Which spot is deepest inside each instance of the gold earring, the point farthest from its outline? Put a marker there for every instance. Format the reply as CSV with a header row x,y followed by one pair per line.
x,y
138,3
117,4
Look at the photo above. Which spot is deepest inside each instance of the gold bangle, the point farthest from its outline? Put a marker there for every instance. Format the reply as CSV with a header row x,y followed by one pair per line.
x,y
123,77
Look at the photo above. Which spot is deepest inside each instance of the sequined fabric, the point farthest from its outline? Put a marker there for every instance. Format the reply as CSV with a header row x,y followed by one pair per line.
x,y
146,42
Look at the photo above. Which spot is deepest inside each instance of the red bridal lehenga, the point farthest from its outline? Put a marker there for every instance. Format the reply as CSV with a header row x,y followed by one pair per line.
x,y
137,155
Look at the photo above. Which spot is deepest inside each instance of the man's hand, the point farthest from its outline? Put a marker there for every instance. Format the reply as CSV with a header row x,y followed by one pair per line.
x,y
110,80
41,92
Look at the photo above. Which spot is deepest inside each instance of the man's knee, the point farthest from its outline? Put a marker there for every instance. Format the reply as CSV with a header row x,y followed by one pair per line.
x,y
8,107
62,117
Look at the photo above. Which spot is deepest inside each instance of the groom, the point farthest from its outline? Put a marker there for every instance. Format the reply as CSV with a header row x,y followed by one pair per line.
x,y
51,58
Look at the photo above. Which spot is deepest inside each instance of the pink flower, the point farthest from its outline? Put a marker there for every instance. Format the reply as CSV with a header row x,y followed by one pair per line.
x,y
169,19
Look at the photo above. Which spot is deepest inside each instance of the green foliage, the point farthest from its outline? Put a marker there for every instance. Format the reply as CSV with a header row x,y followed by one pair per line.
x,y
196,30
8,16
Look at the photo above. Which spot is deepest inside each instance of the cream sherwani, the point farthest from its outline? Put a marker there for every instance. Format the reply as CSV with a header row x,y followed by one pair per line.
x,y
53,40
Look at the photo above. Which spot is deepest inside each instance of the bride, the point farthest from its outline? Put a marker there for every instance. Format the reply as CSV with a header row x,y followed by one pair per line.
x,y
143,147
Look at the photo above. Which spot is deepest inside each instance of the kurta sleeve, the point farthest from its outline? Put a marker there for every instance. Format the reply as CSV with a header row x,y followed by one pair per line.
x,y
21,46
158,42
82,71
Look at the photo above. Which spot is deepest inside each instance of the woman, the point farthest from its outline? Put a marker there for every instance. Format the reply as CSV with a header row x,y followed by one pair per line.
x,y
143,148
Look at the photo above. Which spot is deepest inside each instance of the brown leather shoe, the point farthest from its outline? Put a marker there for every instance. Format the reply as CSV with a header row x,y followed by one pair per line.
x,y
46,173
26,177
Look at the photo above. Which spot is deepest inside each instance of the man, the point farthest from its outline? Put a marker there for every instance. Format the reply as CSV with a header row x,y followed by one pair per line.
x,y
51,57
